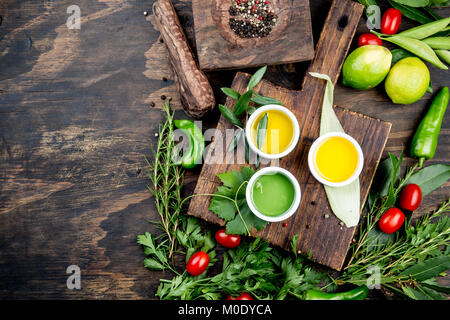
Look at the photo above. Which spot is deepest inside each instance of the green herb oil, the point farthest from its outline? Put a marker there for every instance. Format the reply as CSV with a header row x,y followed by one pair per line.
x,y
273,194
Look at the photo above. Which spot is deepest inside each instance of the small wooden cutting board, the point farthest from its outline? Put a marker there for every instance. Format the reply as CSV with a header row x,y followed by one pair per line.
x,y
323,238
218,47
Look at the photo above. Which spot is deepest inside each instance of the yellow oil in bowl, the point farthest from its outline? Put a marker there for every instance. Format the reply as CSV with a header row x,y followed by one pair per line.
x,y
336,159
279,133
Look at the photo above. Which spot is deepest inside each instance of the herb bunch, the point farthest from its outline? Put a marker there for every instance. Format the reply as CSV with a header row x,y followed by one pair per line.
x,y
410,260
245,105
253,267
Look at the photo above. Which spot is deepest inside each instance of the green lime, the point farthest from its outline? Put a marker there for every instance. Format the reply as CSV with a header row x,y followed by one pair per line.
x,y
366,67
407,81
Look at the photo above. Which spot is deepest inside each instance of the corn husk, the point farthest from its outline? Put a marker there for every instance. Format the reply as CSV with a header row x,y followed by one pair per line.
x,y
344,201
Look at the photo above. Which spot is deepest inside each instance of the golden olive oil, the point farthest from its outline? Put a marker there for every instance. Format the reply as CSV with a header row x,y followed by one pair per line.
x,y
279,134
336,159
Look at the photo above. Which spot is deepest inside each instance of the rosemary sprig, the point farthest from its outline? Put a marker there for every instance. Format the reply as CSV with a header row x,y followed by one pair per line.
x,y
167,180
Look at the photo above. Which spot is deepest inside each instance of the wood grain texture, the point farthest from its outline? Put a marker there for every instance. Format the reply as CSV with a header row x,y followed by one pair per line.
x,y
76,122
218,47
324,239
193,86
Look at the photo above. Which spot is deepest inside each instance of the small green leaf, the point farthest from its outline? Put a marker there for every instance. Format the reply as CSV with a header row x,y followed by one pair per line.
x,y
257,77
235,141
261,100
414,3
230,116
411,13
231,93
427,269
152,264
242,103
261,131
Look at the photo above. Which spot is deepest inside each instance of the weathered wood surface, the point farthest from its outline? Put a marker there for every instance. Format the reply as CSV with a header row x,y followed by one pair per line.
x,y
218,47
196,94
324,239
76,123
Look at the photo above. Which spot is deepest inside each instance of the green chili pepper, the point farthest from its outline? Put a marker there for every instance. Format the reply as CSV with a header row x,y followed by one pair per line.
x,y
359,293
426,30
424,142
419,48
444,55
438,42
194,153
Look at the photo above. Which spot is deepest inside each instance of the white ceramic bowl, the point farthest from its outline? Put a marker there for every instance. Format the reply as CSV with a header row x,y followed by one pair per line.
x,y
295,203
255,115
312,154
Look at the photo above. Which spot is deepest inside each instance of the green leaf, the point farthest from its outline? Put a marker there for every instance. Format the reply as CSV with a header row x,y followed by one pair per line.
x,y
231,93
411,13
235,141
230,116
223,208
430,178
368,3
152,264
432,13
383,178
399,54
414,3
242,103
261,100
427,269
377,239
261,131
246,220
257,77
438,288
146,240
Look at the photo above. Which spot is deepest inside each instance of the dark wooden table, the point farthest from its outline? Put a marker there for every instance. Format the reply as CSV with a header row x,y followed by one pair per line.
x,y
76,123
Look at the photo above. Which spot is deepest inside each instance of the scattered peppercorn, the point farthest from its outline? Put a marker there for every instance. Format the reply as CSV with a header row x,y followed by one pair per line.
x,y
164,79
285,225
163,97
152,104
257,21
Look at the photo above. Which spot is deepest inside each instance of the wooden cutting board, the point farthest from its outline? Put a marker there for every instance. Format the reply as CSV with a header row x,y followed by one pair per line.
x,y
218,47
324,238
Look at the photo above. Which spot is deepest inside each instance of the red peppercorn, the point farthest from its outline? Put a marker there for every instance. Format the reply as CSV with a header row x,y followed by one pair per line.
x,y
267,2
285,225
260,18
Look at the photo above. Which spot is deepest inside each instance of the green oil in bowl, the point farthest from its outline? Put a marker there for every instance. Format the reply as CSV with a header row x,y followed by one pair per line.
x,y
273,194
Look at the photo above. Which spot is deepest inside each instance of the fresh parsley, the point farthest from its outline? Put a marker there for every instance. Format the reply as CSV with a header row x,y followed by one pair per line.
x,y
229,202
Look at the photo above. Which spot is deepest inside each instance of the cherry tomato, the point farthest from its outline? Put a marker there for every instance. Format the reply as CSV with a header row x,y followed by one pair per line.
x,y
411,197
243,296
227,240
390,22
197,263
369,38
391,220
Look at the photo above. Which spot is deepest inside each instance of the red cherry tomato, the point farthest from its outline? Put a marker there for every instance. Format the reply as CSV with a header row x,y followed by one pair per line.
x,y
390,22
391,220
197,263
369,38
227,240
243,296
411,197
